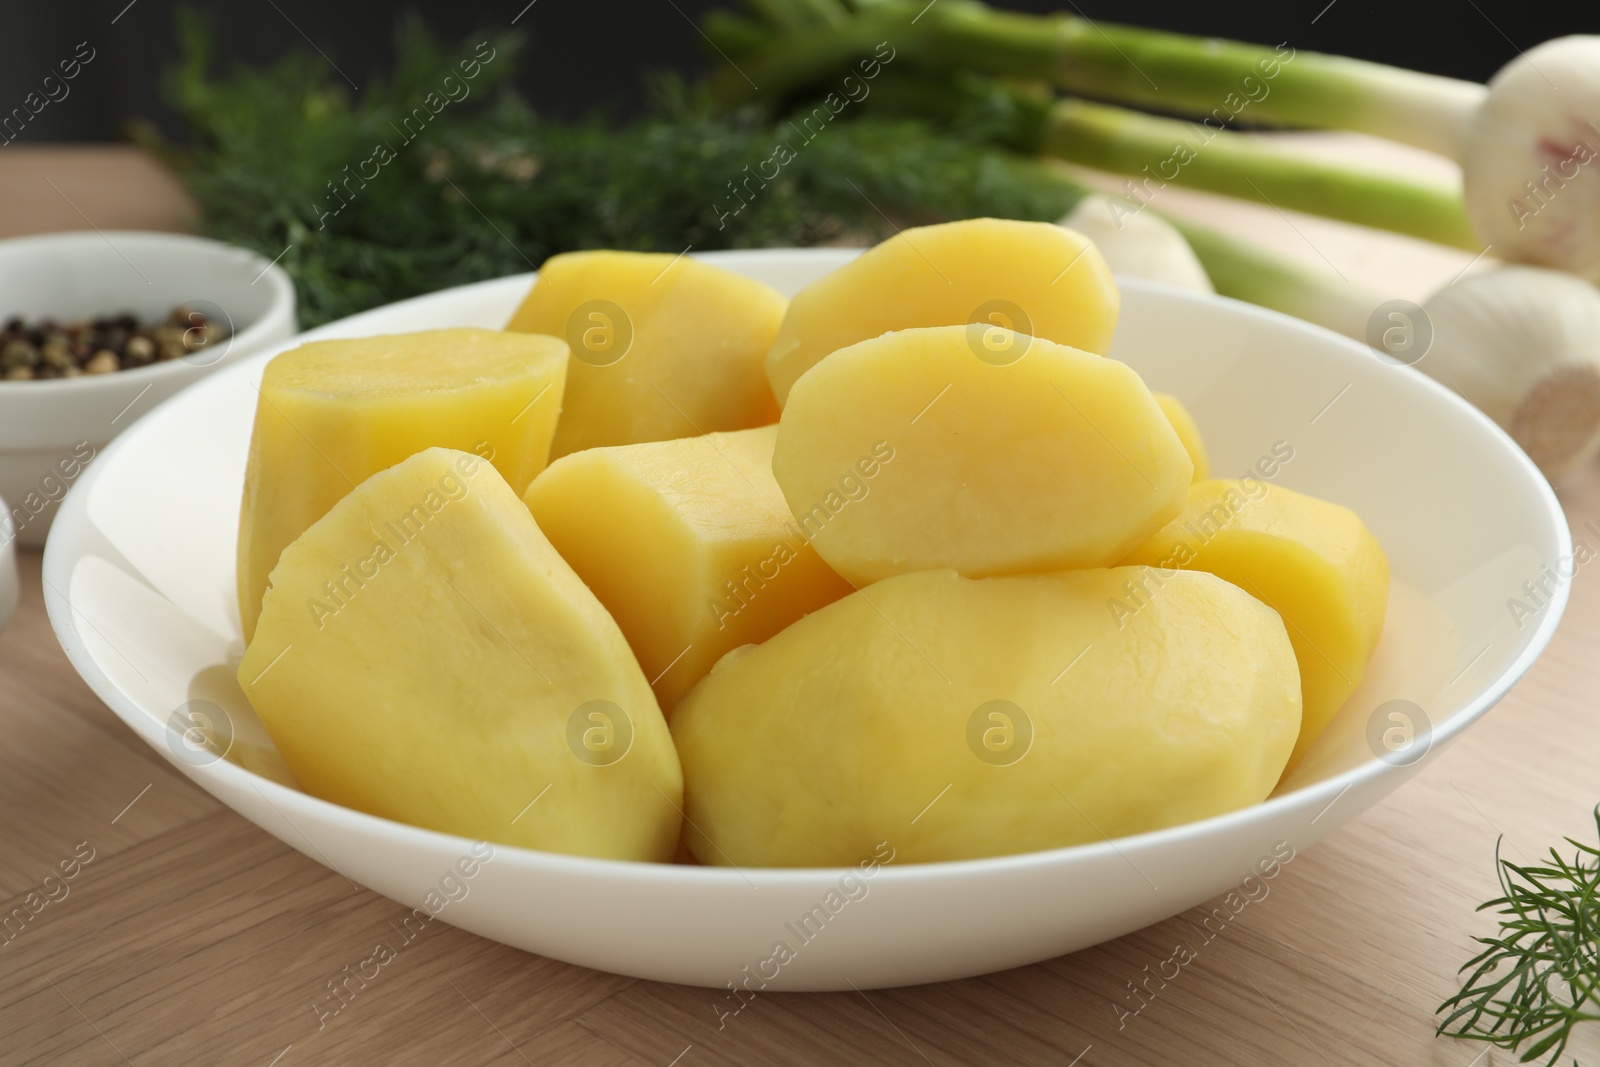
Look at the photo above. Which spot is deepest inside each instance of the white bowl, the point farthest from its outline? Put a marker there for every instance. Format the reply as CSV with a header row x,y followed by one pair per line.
x,y
140,587
8,576
48,429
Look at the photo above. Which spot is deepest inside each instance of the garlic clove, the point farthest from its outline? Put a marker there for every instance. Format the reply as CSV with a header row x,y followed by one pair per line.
x,y
1522,344
1531,162
1137,243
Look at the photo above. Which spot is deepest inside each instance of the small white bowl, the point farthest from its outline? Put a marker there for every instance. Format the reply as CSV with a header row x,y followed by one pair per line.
x,y
139,583
49,429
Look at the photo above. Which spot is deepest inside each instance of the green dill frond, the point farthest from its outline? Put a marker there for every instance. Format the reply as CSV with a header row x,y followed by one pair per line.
x,y
1540,977
377,201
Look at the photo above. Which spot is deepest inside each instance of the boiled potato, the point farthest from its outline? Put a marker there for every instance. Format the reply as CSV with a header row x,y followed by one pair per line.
x,y
688,543
1031,277
423,654
333,413
958,718
1312,561
1056,459
662,346
1184,425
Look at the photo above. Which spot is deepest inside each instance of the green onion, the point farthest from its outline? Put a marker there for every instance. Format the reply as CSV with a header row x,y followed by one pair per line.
x,y
1528,143
1246,272
1196,76
1156,151
1517,342
1173,72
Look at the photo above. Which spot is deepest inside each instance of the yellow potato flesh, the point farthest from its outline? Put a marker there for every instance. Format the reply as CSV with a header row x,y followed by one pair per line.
x,y
425,655
662,346
333,413
688,543
1032,277
1314,562
1188,432
1059,459
958,718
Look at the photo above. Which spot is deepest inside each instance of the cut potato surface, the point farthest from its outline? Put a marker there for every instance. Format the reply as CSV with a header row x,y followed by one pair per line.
x,y
424,654
662,346
960,718
1056,459
688,543
1030,277
1314,562
1184,425
333,413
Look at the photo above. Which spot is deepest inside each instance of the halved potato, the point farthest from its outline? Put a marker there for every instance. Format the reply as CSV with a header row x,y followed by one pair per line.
x,y
688,543
958,718
424,654
1056,458
662,346
333,413
1030,277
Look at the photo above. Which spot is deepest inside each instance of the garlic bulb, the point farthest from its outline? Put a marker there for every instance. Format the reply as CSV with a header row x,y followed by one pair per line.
x,y
1522,344
1138,243
1531,158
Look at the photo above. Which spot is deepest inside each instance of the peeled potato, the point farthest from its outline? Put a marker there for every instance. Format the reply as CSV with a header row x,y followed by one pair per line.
x,y
961,718
662,346
688,543
1314,562
1184,425
423,654
333,413
1031,277
1055,459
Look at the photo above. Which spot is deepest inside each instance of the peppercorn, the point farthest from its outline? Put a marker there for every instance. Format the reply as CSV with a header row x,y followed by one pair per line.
x,y
56,353
139,351
102,362
48,349
18,353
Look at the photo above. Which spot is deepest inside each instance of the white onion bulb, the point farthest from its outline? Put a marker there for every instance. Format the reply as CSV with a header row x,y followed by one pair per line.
x,y
1522,344
1137,243
1531,159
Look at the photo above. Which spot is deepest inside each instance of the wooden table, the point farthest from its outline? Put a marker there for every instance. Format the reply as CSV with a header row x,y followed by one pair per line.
x,y
192,937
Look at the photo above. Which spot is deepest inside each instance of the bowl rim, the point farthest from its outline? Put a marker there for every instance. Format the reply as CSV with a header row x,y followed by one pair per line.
x,y
280,287
223,774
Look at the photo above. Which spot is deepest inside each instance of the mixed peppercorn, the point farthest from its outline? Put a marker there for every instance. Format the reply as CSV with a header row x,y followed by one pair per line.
x,y
50,349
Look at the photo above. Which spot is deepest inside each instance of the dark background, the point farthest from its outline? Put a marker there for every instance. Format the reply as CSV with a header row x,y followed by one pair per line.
x,y
594,52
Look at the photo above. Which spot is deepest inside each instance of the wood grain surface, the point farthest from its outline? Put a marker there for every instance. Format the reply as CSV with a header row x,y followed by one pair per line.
x,y
192,937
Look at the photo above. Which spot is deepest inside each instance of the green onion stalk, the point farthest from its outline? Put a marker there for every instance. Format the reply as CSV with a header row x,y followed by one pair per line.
x,y
1521,343
1155,152
1527,142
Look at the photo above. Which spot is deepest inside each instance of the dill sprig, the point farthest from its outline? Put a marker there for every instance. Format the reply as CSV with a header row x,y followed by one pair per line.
x,y
489,187
1541,976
